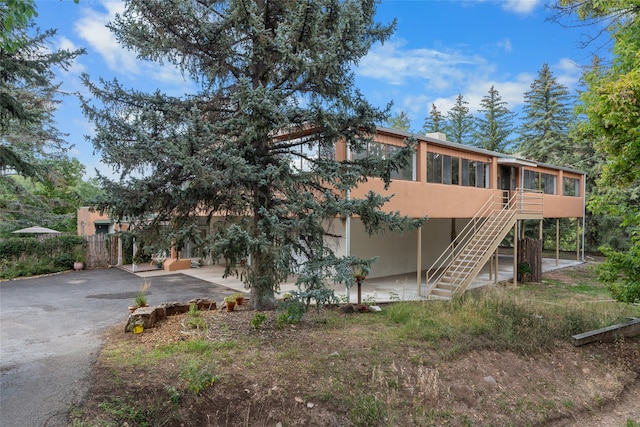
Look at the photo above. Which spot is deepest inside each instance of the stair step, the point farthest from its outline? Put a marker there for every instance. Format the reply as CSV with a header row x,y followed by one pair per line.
x,y
442,292
446,286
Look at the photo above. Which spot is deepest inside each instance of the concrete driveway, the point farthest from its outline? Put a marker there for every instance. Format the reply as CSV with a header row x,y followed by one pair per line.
x,y
51,332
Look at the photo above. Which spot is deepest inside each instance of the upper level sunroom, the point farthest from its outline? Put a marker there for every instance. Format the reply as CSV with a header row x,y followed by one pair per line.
x,y
450,180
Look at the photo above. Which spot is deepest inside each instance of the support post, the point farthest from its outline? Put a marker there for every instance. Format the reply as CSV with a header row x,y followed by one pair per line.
x,y
419,263
577,239
540,231
497,267
515,254
557,241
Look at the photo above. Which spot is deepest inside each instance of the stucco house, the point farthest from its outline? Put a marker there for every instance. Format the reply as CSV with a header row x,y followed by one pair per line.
x,y
472,198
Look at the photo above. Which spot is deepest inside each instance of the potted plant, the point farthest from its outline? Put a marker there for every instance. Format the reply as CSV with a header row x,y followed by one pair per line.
x,y
78,262
141,298
239,298
230,302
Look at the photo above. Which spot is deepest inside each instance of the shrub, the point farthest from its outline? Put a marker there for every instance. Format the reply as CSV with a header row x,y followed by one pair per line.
x,y
63,261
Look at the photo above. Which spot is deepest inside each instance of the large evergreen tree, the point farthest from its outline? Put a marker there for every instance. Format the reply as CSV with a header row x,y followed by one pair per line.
x,y
544,132
459,124
254,149
611,110
30,144
495,125
400,121
434,122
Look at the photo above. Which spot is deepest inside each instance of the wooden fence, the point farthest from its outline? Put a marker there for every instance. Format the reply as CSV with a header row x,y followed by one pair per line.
x,y
102,250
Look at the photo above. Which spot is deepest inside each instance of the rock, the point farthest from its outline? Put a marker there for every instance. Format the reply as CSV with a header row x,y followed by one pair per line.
x,y
310,405
348,309
173,308
203,304
491,380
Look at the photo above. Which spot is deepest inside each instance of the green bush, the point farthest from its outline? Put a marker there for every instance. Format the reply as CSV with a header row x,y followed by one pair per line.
x,y
64,261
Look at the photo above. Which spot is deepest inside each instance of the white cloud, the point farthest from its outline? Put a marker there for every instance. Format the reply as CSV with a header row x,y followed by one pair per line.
x,y
92,28
436,69
120,61
504,45
522,7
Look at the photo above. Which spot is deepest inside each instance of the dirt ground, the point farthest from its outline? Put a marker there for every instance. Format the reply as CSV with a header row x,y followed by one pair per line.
x,y
285,375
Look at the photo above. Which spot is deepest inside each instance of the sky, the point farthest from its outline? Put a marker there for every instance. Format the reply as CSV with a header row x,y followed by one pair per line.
x,y
441,48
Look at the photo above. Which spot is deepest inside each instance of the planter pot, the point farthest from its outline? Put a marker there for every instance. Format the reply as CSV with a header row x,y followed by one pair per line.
x,y
231,305
77,266
239,300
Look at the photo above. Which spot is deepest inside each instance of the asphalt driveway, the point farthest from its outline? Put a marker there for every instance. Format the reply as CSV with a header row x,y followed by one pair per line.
x,y
51,331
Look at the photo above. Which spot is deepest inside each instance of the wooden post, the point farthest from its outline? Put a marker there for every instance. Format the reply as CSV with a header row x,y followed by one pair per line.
x,y
497,267
557,241
490,267
577,239
515,254
419,263
540,234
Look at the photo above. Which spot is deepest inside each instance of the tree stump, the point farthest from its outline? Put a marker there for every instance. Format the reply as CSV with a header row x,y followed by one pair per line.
x,y
529,260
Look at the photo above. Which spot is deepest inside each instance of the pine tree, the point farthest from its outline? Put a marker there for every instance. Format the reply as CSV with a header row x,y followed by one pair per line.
x,y
610,116
400,121
459,124
435,122
495,125
544,132
30,144
253,151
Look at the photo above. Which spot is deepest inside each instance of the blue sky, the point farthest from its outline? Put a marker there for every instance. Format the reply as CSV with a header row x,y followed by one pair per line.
x,y
441,48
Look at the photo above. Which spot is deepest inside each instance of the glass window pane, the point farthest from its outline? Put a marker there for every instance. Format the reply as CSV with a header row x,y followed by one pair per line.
x,y
465,172
472,173
446,169
434,167
455,170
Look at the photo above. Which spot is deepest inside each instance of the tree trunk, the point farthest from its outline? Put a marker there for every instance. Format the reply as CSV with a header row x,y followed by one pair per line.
x,y
529,260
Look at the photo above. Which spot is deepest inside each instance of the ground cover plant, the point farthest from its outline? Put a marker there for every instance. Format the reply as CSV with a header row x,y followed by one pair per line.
x,y
497,356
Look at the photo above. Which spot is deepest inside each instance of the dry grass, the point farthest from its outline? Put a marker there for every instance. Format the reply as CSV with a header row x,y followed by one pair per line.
x,y
495,357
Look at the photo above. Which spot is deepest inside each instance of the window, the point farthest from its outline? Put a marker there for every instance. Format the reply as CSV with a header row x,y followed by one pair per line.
x,y
303,156
548,183
434,168
571,187
531,180
406,173
544,182
455,171
384,151
443,169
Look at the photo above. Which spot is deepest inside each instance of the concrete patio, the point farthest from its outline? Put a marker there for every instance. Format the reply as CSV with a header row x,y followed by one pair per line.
x,y
378,290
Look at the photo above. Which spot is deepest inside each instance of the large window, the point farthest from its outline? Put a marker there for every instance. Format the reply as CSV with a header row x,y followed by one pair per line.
x,y
434,168
549,183
443,169
303,156
571,187
544,182
384,151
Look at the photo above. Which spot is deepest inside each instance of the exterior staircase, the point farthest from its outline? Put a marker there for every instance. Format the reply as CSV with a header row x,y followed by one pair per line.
x,y
461,262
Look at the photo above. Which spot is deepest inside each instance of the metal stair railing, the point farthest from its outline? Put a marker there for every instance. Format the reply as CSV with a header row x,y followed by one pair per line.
x,y
497,200
469,248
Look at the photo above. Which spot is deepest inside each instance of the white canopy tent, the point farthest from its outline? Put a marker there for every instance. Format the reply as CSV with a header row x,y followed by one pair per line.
x,y
36,230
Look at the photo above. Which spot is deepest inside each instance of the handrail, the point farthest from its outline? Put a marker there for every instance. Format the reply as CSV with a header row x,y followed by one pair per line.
x,y
498,208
